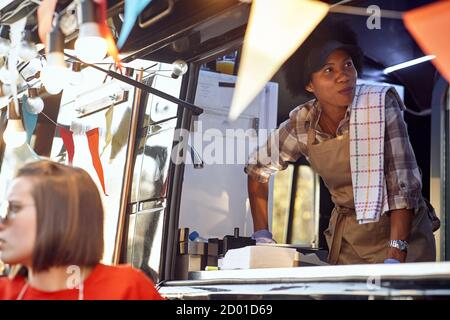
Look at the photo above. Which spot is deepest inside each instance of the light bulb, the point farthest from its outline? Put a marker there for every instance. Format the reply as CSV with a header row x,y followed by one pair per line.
x,y
90,46
35,105
53,79
180,67
54,74
14,135
27,50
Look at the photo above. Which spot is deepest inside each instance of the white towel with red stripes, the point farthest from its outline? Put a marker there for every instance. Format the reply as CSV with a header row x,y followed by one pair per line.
x,y
367,126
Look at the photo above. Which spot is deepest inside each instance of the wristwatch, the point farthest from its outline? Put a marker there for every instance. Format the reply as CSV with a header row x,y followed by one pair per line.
x,y
401,245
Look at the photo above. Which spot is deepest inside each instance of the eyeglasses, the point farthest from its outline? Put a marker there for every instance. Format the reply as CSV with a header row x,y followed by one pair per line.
x,y
8,211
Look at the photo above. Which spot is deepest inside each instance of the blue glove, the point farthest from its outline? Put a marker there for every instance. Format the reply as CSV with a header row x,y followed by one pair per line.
x,y
391,261
263,236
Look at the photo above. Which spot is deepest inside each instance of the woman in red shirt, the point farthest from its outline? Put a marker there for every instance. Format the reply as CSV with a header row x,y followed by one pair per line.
x,y
52,225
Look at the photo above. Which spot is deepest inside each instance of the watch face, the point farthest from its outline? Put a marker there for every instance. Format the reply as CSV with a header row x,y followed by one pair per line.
x,y
399,244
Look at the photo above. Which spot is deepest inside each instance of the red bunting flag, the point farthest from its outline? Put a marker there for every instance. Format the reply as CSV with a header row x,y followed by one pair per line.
x,y
67,137
93,140
45,18
429,25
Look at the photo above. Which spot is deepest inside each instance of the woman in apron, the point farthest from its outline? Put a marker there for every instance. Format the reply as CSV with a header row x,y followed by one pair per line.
x,y
326,66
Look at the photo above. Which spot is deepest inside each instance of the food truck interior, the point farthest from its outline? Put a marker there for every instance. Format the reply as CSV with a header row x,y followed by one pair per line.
x,y
159,187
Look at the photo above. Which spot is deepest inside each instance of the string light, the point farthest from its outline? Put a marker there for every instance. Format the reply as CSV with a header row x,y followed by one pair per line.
x,y
180,67
54,74
27,49
14,135
90,46
35,104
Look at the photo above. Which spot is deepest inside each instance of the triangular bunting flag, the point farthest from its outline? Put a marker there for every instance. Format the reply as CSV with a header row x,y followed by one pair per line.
x,y
105,31
108,120
67,137
427,25
275,30
29,119
132,10
93,140
45,18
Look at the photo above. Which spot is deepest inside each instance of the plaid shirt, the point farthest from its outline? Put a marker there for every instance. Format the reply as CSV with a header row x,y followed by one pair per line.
x,y
403,178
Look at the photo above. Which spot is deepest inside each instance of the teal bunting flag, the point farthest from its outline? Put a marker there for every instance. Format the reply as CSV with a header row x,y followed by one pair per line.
x,y
29,119
132,10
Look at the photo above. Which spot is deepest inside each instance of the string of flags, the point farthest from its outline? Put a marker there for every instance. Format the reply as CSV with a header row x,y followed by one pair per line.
x,y
67,136
133,9
258,61
93,142
93,26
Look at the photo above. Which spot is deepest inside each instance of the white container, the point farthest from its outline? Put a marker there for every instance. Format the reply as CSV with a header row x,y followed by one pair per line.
x,y
253,257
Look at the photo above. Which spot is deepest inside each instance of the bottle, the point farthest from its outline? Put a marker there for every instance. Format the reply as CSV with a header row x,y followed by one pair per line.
x,y
195,237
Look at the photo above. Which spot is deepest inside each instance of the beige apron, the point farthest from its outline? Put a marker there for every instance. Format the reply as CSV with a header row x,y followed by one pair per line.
x,y
348,241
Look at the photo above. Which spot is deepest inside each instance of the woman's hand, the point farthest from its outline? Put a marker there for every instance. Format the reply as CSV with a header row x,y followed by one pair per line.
x,y
263,236
394,253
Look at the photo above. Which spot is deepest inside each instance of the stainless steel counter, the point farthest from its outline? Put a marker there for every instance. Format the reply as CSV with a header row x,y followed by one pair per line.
x,y
407,281
347,272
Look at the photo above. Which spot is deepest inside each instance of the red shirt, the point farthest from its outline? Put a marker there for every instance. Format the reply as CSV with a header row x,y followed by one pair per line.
x,y
104,283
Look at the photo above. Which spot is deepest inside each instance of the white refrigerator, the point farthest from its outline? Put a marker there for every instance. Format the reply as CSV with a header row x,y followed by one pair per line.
x,y
214,198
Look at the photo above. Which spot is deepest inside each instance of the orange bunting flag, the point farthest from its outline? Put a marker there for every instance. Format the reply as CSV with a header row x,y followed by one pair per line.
x,y
92,137
429,25
45,18
105,31
93,141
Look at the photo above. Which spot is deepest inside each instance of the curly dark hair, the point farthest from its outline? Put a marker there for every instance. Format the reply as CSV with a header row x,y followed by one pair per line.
x,y
296,75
